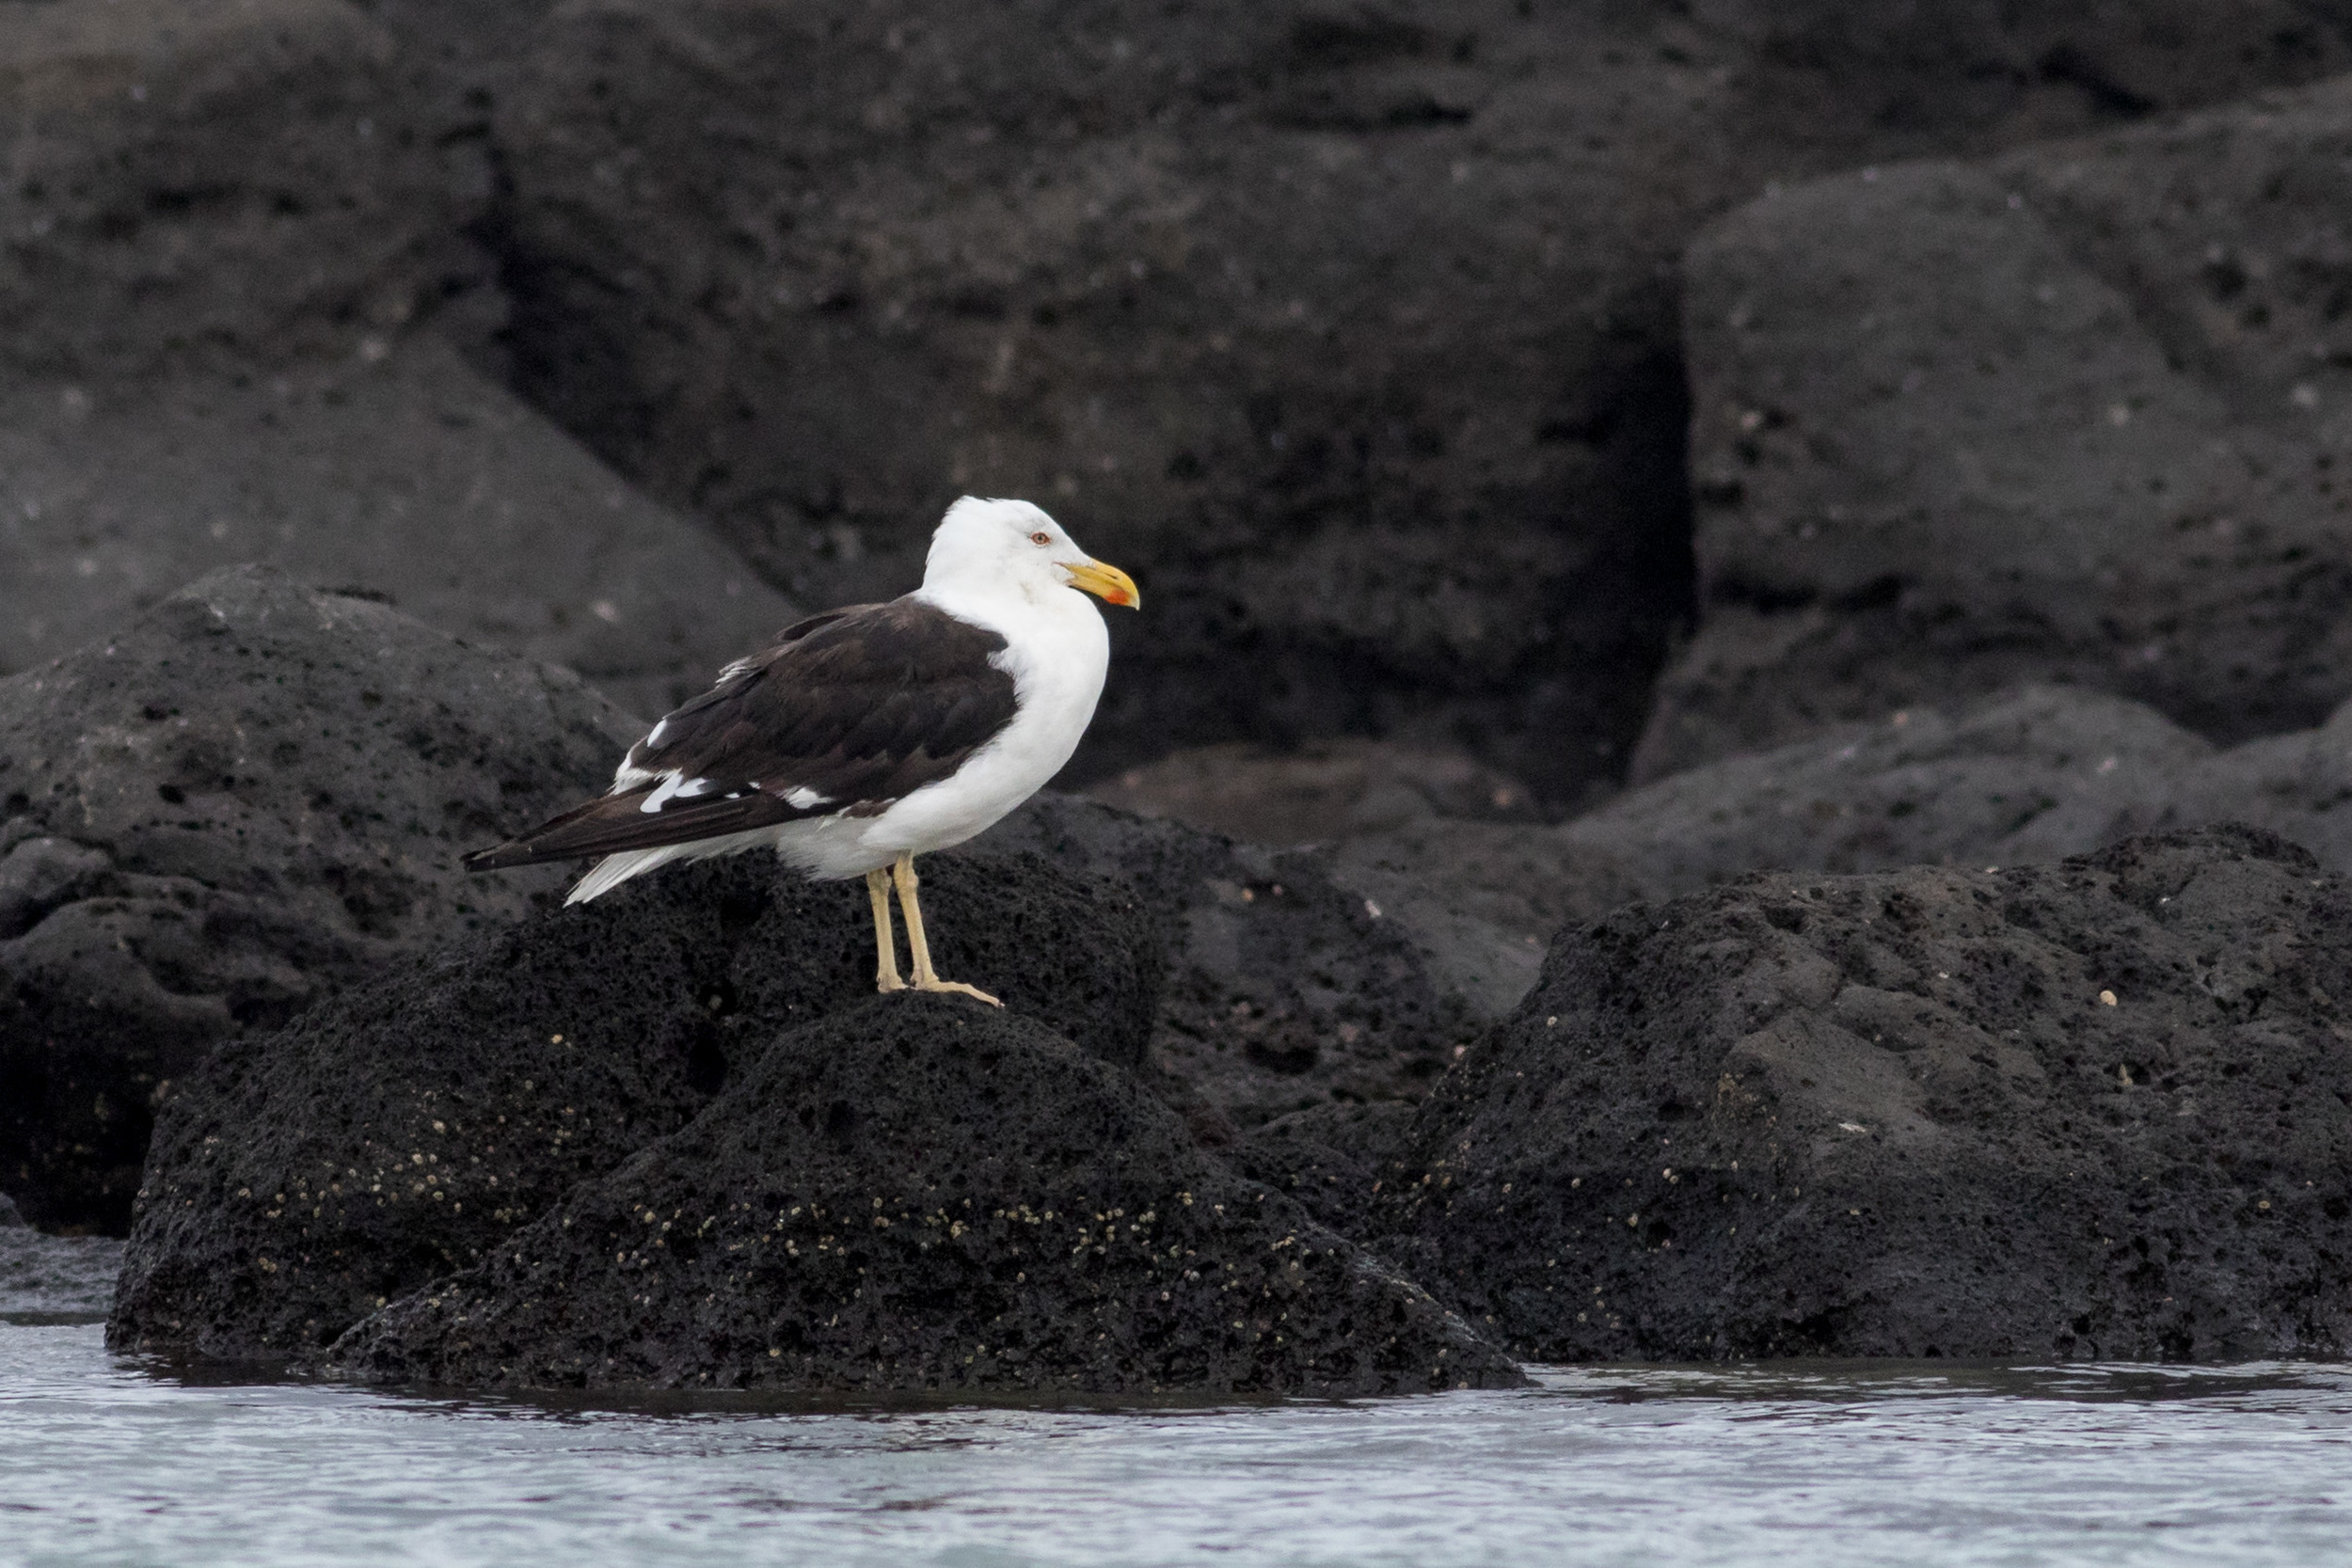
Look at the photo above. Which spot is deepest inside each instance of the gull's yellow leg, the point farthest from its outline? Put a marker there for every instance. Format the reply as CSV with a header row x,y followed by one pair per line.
x,y
926,979
885,939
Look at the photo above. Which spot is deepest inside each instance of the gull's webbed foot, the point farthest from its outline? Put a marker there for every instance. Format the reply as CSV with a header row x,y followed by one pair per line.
x,y
925,978
935,983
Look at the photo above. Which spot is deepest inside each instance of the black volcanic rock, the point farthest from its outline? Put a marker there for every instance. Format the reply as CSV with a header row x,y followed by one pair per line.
x,y
1321,792
394,471
922,1193
226,221
1353,330
403,1130
2034,773
1329,1159
1285,990
2074,413
192,179
253,795
2026,775
2090,1109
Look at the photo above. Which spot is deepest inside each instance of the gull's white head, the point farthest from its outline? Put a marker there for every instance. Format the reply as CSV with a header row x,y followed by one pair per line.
x,y
1013,546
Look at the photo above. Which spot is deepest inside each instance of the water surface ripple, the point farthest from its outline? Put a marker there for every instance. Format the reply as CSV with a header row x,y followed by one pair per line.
x,y
106,1459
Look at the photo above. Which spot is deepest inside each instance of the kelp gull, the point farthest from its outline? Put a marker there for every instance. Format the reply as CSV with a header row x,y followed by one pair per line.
x,y
869,734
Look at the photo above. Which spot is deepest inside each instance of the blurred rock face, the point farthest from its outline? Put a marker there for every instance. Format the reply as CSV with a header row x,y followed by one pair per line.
x,y
2078,412
1354,330
194,178
1323,791
406,475
219,226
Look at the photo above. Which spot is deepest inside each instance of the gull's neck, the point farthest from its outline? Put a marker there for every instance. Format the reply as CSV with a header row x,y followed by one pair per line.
x,y
1002,604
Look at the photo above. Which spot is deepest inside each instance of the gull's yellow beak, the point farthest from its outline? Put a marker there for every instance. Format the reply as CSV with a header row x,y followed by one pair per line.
x,y
1113,585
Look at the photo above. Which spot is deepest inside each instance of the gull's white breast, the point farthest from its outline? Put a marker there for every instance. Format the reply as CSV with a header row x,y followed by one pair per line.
x,y
1057,652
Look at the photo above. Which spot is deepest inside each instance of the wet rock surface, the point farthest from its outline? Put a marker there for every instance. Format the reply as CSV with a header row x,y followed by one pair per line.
x,y
922,1193
46,1279
2070,413
2092,1109
253,795
1285,990
403,1130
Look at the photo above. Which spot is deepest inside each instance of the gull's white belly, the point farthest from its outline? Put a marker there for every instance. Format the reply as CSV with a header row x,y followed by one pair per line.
x,y
1057,653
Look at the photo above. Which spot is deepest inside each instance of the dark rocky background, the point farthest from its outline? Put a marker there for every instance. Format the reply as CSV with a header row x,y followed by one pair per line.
x,y
1579,455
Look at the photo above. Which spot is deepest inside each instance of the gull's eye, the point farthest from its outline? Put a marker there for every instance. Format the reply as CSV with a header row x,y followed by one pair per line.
x,y
1041,538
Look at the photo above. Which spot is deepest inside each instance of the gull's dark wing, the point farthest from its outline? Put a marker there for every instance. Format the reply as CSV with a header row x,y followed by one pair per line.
x,y
844,714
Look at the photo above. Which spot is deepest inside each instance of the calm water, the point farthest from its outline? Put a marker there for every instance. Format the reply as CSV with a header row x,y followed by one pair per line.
x,y
108,1461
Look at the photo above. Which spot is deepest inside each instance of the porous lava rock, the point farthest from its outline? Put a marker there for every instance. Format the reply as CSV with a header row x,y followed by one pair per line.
x,y
251,796
1387,822
1329,1159
2075,412
1285,990
393,469
2030,774
920,1193
1353,330
2094,1109
402,1130
2034,773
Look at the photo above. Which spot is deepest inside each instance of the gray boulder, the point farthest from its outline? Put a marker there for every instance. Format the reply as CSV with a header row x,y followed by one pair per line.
x,y
2296,785
1447,849
407,476
921,1193
253,795
1352,331
200,179
1320,792
1390,824
2032,774
2096,1109
2072,413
